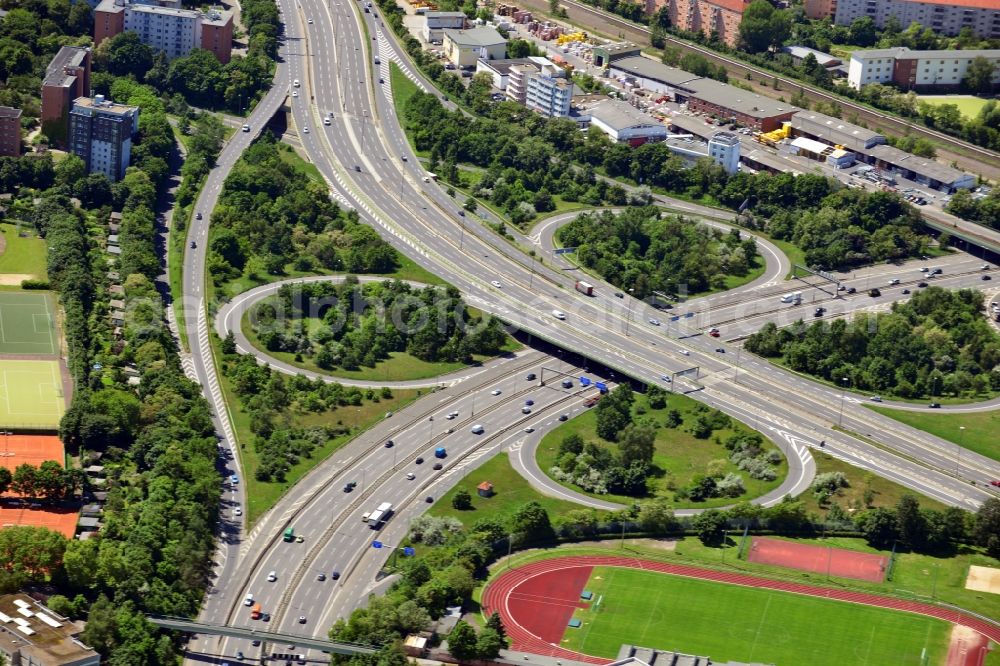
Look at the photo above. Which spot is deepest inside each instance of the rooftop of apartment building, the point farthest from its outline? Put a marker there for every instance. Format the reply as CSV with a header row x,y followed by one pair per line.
x,y
67,56
99,103
9,112
481,36
216,16
503,66
904,53
28,626
731,5
738,100
973,4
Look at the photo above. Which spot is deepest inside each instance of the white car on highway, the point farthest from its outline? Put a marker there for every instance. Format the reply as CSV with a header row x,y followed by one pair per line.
x,y
496,283
559,314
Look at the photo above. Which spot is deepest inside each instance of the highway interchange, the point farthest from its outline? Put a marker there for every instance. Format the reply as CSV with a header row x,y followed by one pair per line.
x,y
364,156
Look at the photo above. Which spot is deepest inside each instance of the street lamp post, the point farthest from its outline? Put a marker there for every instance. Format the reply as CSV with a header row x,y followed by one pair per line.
x,y
628,314
958,451
843,396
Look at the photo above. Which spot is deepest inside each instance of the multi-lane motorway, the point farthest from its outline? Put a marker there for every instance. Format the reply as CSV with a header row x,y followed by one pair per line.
x,y
330,48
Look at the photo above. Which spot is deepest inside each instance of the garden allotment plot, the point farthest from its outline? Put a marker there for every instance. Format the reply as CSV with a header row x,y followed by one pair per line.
x,y
27,324
730,622
31,394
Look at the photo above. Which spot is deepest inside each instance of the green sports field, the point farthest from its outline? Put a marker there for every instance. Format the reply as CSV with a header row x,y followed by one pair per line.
x,y
27,324
728,622
31,394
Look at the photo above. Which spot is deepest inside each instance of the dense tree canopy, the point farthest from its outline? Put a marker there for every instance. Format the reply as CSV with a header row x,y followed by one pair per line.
x,y
363,324
642,249
271,215
937,343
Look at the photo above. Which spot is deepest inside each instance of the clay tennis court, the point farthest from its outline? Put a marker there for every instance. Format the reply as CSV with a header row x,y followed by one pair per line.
x,y
818,559
32,449
58,519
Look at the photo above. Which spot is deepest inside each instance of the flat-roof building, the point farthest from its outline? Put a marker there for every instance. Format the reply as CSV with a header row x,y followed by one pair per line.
x,y
33,635
605,54
947,17
835,131
799,53
10,132
163,25
66,78
920,169
721,17
464,47
744,107
100,133
499,70
625,124
653,75
435,23
918,70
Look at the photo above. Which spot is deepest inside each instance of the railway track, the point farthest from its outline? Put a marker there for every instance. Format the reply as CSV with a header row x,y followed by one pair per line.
x,y
884,121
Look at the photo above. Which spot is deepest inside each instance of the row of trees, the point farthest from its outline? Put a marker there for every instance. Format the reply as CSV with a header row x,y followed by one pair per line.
x,y
937,343
274,402
648,251
271,215
198,76
49,481
364,324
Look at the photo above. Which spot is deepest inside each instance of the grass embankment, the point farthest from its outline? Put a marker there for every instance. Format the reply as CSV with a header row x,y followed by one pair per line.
x,y
23,255
968,105
511,491
729,622
679,455
884,493
980,434
261,496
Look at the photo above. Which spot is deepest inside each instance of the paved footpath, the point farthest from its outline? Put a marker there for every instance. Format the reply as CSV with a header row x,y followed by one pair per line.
x,y
495,597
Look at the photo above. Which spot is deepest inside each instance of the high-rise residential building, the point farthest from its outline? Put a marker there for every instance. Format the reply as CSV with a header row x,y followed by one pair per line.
x,y
724,150
947,17
100,133
917,70
66,78
165,26
721,17
548,90
10,132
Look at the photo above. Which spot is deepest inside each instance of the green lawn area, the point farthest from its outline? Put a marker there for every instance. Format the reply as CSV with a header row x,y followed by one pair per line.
x,y
729,622
885,493
402,89
682,455
511,492
794,253
23,255
980,433
293,159
968,105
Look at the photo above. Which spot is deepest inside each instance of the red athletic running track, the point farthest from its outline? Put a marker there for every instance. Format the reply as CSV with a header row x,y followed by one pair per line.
x,y
503,594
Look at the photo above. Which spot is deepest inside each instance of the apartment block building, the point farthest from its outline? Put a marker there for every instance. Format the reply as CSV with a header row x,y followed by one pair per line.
x,y
164,26
722,17
917,70
544,86
100,133
947,17
10,132
66,78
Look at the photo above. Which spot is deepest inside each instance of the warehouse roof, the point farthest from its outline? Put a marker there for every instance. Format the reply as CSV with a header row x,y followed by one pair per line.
x,y
619,116
738,100
919,165
822,58
836,131
650,69
481,36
